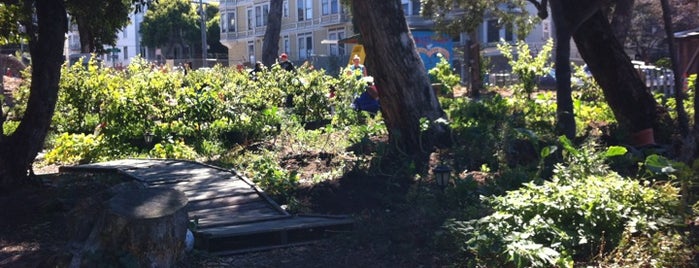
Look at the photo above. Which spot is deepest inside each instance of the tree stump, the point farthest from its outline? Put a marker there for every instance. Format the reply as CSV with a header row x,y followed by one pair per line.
x,y
140,228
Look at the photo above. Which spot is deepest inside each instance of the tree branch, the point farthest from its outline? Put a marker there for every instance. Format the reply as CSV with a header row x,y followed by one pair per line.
x,y
541,7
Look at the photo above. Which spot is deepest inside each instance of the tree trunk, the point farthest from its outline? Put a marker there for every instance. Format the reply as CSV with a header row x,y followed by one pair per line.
x,y
270,46
565,117
401,78
475,63
632,103
18,150
87,40
682,118
141,227
621,19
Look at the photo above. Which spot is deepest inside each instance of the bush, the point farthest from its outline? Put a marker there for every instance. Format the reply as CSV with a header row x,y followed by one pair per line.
x,y
442,73
572,217
276,181
173,150
75,148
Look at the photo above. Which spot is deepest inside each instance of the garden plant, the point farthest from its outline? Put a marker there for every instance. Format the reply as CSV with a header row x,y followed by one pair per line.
x,y
520,195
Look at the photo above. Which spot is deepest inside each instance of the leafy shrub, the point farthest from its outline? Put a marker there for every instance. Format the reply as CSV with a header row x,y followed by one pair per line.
x,y
581,210
526,66
477,127
83,89
9,127
442,73
75,148
276,181
173,150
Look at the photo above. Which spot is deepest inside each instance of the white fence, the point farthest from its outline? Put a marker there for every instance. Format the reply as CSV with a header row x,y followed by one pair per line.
x,y
656,79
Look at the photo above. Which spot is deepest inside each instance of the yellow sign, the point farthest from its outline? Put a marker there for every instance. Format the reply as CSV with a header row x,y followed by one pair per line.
x,y
359,51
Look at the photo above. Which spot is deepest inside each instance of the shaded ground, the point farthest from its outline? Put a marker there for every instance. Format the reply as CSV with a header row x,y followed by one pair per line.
x,y
36,233
31,227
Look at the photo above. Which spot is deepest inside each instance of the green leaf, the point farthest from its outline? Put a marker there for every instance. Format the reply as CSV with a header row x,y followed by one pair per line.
x,y
659,164
548,150
615,151
568,145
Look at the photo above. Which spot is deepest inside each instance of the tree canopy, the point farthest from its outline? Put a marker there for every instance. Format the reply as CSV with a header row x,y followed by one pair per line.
x,y
45,23
170,23
99,21
167,21
457,16
10,17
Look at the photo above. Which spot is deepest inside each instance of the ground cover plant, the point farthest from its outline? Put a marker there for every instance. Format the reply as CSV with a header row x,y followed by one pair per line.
x,y
520,196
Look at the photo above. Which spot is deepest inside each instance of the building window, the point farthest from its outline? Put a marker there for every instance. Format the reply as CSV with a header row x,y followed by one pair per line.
x,y
125,33
509,34
285,9
546,29
286,46
305,9
261,14
495,32
411,7
305,45
250,19
251,51
230,22
336,34
330,7
224,24
492,32
126,53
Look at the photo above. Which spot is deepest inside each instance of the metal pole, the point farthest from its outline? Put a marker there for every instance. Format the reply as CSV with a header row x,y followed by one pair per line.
x,y
202,15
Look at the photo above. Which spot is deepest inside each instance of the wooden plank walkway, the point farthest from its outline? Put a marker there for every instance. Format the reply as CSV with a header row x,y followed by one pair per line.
x,y
232,213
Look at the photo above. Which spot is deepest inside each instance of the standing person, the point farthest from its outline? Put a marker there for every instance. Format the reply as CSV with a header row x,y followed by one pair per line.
x,y
357,68
258,68
289,66
285,63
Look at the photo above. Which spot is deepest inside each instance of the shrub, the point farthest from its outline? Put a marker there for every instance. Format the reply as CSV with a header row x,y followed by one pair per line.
x,y
583,210
525,65
276,181
442,73
173,150
75,148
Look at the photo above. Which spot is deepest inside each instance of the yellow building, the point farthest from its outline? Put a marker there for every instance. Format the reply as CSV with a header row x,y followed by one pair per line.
x,y
308,28
305,24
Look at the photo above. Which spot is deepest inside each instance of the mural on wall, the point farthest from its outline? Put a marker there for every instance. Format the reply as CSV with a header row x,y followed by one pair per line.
x,y
428,44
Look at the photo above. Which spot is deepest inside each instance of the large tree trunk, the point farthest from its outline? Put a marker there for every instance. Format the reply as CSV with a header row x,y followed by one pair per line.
x,y
632,103
270,46
87,39
565,117
18,150
621,19
146,226
401,78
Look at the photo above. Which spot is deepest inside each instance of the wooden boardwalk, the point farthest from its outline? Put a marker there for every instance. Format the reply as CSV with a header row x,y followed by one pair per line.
x,y
233,214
